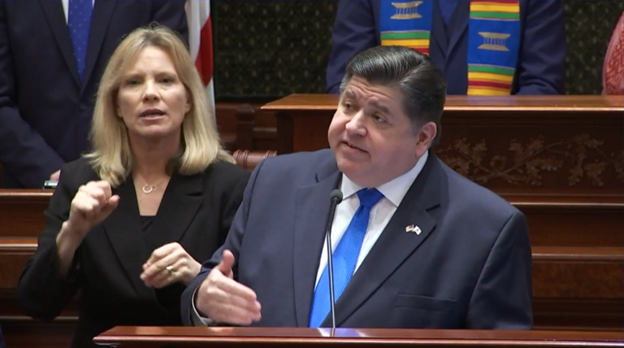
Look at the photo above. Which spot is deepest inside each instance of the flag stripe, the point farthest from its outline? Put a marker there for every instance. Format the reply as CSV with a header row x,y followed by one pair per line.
x,y
204,60
200,43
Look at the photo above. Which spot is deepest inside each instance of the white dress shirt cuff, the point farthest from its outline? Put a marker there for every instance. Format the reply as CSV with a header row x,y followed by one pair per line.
x,y
196,318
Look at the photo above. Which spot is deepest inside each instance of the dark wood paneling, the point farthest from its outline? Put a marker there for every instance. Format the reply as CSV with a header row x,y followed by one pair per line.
x,y
574,223
21,212
546,145
237,121
25,333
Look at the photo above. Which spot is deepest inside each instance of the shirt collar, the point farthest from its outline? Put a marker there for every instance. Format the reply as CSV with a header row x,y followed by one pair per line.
x,y
393,190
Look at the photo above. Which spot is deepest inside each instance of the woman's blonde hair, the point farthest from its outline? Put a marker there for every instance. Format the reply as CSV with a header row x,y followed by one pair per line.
x,y
200,145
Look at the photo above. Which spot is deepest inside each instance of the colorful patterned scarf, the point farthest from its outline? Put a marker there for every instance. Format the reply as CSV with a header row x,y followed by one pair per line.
x,y
493,38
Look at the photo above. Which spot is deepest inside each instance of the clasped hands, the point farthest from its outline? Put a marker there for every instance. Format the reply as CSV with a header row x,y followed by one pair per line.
x,y
169,264
94,202
223,299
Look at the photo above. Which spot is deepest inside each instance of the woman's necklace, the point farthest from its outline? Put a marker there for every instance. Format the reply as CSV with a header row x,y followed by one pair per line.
x,y
147,188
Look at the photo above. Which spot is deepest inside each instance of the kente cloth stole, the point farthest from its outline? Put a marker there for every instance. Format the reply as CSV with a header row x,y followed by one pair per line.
x,y
493,38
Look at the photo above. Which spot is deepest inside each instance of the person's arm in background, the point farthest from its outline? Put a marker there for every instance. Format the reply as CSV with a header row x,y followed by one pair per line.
x,y
23,151
541,64
354,31
172,14
613,69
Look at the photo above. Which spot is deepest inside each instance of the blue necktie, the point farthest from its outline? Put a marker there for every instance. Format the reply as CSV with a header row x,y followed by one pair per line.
x,y
446,9
344,258
79,23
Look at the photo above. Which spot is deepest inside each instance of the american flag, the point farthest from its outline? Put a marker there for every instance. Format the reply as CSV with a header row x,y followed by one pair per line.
x,y
200,42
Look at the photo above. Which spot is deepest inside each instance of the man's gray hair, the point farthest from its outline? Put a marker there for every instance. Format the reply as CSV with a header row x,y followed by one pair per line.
x,y
420,82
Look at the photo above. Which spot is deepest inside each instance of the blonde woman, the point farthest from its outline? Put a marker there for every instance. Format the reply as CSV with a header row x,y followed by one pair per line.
x,y
129,221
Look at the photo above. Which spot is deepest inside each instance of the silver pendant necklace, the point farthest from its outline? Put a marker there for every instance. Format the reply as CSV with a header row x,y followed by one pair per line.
x,y
147,189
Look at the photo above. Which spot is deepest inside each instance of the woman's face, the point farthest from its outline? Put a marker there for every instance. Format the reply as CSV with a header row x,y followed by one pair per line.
x,y
152,101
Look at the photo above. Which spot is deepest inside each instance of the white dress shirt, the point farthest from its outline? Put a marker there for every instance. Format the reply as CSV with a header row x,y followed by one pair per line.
x,y
66,8
380,215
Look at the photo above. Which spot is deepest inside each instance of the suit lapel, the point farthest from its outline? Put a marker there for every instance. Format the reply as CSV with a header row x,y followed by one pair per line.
x,y
101,17
395,244
56,18
458,25
124,230
311,210
178,208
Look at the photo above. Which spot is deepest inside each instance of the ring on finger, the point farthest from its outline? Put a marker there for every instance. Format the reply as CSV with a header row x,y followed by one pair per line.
x,y
170,269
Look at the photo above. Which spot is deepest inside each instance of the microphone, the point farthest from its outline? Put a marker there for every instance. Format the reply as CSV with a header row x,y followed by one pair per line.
x,y
336,198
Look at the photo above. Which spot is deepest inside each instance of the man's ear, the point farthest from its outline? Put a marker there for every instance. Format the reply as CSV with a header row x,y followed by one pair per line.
x,y
425,135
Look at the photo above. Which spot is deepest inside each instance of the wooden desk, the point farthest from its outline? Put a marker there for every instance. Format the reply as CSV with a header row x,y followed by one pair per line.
x,y
173,337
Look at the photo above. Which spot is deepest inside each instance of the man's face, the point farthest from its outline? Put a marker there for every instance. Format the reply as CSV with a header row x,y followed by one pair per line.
x,y
371,136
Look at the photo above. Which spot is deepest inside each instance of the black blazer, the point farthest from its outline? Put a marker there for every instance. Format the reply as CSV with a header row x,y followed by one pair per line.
x,y
196,211
45,110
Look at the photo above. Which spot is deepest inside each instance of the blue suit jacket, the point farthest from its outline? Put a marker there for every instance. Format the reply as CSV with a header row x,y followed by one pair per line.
x,y
541,64
45,112
470,267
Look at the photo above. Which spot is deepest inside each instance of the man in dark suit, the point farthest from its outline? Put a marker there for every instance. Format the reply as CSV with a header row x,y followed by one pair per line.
x,y
52,55
538,52
416,244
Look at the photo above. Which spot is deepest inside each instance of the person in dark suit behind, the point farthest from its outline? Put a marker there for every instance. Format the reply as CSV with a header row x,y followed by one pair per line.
x,y
52,55
497,48
128,222
416,244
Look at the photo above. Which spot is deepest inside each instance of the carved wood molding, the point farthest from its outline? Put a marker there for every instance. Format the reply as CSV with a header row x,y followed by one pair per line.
x,y
582,158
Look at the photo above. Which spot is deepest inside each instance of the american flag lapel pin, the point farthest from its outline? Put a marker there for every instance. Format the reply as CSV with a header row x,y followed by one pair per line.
x,y
413,229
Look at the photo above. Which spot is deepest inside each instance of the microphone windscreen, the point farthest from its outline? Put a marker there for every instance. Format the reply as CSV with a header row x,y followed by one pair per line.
x,y
337,195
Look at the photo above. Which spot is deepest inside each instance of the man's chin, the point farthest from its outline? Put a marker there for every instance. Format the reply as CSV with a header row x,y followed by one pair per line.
x,y
349,168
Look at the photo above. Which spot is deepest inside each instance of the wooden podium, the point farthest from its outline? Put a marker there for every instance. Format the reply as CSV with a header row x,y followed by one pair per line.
x,y
222,337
